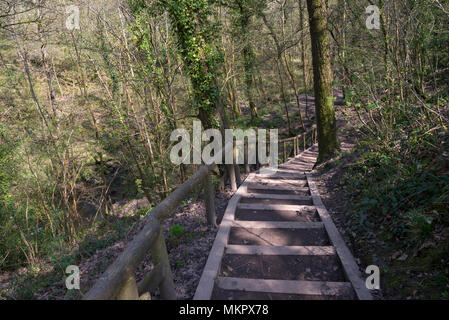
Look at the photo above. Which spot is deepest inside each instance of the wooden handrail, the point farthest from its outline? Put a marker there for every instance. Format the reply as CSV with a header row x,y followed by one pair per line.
x,y
299,135
296,142
118,281
116,275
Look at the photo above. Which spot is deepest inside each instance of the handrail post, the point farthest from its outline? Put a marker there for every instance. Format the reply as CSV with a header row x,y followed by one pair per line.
x,y
160,255
209,194
257,155
312,138
247,167
294,147
285,151
231,173
304,141
297,146
129,289
238,178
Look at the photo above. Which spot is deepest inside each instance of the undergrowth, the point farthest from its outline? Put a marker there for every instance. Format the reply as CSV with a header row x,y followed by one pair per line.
x,y
37,278
399,187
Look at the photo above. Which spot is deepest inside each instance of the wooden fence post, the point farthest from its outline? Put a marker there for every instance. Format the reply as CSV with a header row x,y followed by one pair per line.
x,y
285,151
160,255
247,167
209,194
129,289
231,173
236,166
294,147
257,155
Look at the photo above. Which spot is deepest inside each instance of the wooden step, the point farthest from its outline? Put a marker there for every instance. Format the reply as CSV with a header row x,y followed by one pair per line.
x,y
321,288
310,158
297,167
285,171
253,186
281,250
277,175
273,207
277,225
299,161
288,182
277,196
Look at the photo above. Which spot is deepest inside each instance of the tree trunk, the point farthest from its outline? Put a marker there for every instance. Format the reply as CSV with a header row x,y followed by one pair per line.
x,y
322,72
248,58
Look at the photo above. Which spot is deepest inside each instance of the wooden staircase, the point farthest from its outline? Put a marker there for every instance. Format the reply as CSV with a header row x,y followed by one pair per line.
x,y
277,241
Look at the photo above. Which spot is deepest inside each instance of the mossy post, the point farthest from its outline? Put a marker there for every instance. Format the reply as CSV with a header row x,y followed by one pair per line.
x,y
160,256
295,151
285,151
238,178
247,166
209,194
232,179
322,75
129,289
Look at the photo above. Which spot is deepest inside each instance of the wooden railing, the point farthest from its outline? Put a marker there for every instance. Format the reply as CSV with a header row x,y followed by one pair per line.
x,y
304,139
119,282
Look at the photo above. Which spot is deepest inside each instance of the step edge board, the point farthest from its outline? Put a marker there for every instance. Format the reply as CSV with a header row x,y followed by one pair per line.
x,y
280,250
320,288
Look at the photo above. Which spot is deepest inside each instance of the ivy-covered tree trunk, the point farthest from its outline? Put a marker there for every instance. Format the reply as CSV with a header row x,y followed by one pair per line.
x,y
248,55
322,74
195,35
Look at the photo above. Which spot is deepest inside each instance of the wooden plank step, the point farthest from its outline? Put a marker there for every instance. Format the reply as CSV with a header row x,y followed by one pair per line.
x,y
281,250
293,183
253,186
301,160
273,207
296,164
303,168
280,170
315,288
274,174
277,196
277,225
295,174
311,158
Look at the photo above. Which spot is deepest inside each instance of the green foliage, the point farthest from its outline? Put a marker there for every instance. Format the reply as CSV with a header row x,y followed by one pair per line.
x,y
177,230
387,181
